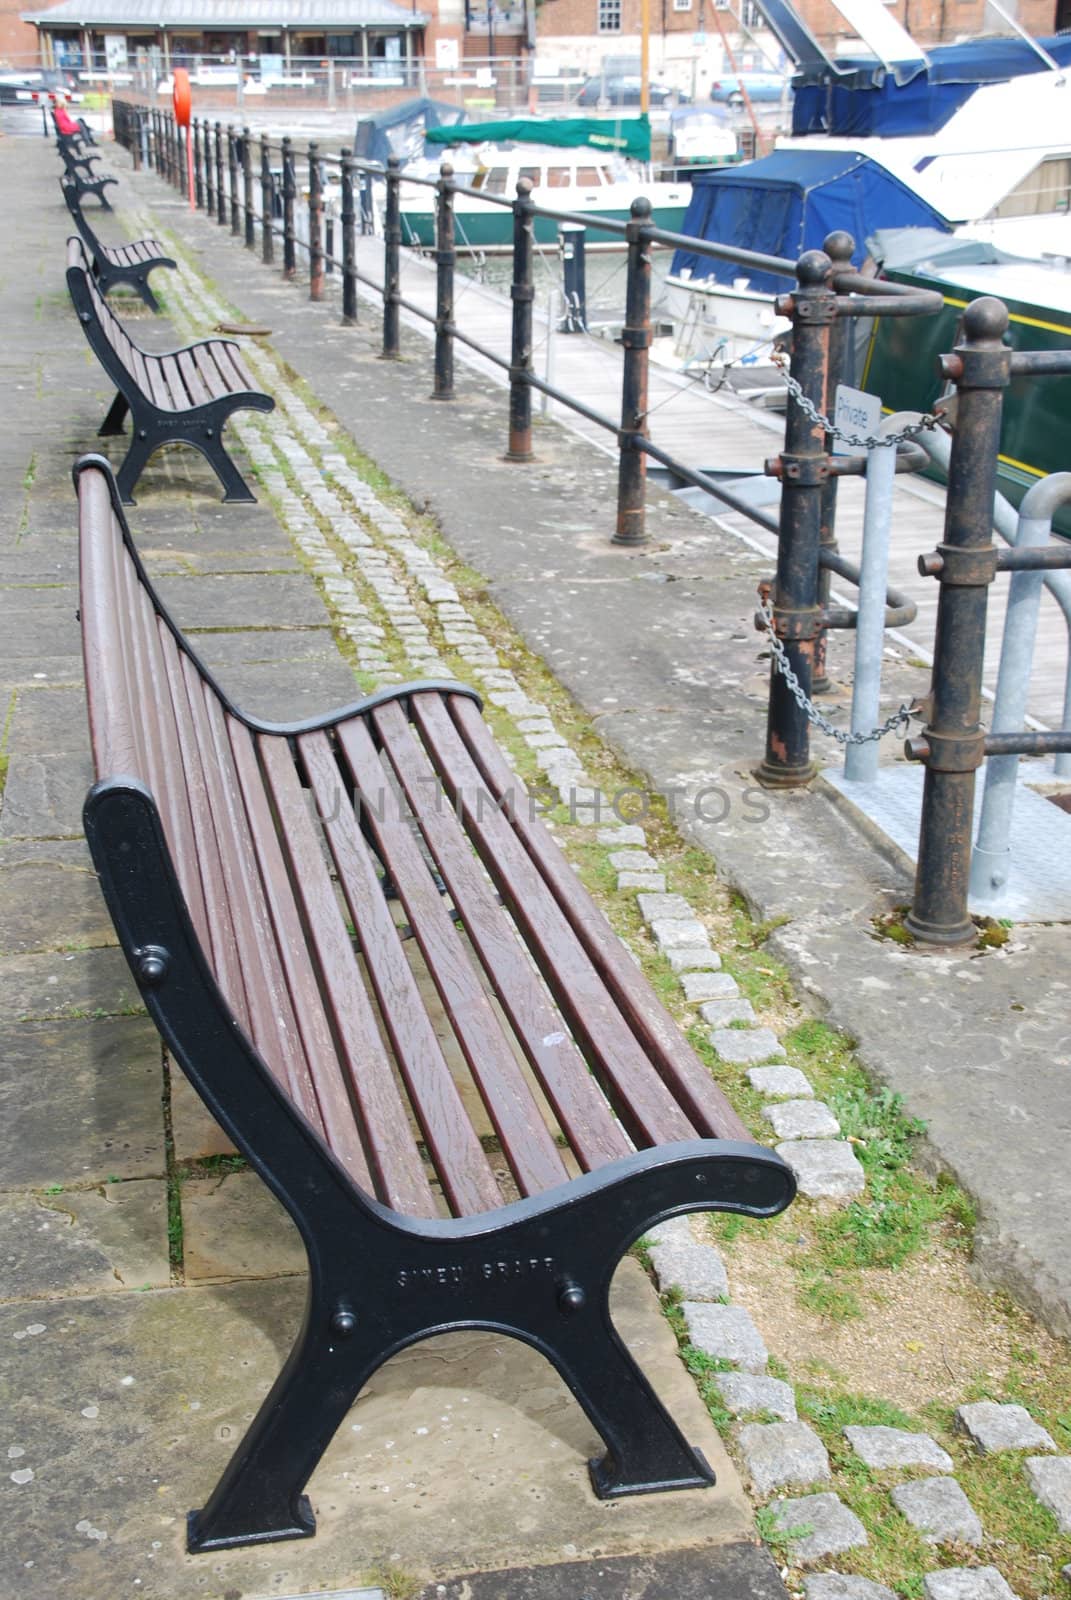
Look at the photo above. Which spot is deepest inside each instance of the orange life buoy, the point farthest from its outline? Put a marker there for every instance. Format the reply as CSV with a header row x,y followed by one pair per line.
x,y
180,97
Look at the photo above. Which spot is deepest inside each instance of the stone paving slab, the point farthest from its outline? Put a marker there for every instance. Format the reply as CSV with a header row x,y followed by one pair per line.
x,y
44,795
233,1227
49,721
49,897
238,600
33,621
195,1132
461,1452
83,983
85,1241
80,1102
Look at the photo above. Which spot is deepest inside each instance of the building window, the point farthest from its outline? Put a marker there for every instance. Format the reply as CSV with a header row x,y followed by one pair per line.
x,y
682,5
609,16
751,16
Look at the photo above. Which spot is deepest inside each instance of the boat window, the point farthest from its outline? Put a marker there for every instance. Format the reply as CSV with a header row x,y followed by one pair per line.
x,y
495,180
559,177
534,174
1047,188
589,177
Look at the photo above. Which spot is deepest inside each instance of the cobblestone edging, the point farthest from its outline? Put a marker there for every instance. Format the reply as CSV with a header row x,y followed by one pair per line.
x,y
397,580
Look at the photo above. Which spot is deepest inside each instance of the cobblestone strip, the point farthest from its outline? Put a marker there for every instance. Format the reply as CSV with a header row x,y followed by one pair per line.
x,y
314,495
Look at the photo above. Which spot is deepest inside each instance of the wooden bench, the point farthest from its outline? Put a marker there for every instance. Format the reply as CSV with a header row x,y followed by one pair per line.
x,y
82,174
116,264
479,1161
181,397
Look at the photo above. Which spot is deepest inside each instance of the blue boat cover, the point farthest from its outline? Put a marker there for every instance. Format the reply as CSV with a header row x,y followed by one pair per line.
x,y
400,130
787,203
861,98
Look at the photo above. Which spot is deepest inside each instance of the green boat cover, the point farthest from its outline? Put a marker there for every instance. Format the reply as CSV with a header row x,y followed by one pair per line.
x,y
623,136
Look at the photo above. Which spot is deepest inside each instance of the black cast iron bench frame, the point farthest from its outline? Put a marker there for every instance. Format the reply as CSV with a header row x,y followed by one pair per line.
x,y
116,264
182,396
166,821
80,170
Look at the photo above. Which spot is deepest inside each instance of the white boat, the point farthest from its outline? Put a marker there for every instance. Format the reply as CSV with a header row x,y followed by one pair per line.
x,y
582,179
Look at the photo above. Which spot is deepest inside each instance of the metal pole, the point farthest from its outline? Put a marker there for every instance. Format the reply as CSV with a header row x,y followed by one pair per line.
x,y
991,859
572,239
349,243
636,339
952,745
316,223
803,468
232,174
289,186
247,189
522,293
267,203
221,197
198,162
861,760
839,247
444,285
392,245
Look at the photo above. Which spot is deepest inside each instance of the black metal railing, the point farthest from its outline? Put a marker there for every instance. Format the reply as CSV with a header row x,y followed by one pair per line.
x,y
828,295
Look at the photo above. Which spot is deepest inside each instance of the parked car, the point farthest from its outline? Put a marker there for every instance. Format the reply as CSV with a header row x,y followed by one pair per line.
x,y
19,88
626,91
759,86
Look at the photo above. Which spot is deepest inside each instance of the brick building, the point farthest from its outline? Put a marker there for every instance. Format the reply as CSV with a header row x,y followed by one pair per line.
x,y
18,40
688,37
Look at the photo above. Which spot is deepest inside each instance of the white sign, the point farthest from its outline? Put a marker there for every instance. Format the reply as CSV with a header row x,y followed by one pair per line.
x,y
447,55
115,51
855,412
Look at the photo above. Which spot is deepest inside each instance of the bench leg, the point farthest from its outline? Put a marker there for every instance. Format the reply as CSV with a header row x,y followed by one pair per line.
x,y
259,1497
645,1450
113,422
134,464
141,284
235,488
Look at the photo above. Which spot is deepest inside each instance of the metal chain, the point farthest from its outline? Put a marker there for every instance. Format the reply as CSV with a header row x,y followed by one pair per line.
x,y
858,441
899,719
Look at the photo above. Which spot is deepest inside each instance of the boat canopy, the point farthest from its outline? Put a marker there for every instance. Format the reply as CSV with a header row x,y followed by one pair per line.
x,y
787,203
621,136
401,131
863,98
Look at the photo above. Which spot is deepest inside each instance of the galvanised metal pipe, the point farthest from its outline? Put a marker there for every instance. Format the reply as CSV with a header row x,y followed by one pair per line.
x,y
952,745
392,245
522,293
221,196
804,469
349,242
198,163
861,760
267,203
839,247
991,859
247,189
316,225
232,175
636,339
289,190
444,285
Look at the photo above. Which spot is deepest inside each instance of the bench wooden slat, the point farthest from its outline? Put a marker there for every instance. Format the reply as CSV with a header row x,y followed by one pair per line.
x,y
208,370
329,1107
520,1122
456,1152
396,1168
172,376
221,948
658,1031
192,378
158,390
164,772
578,1104
112,723
231,364
271,1015
640,1098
